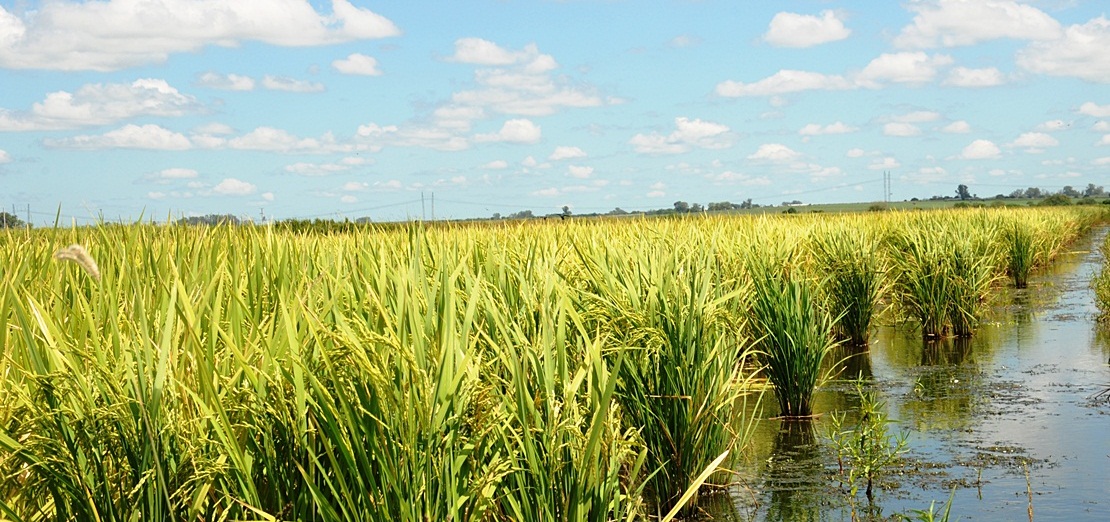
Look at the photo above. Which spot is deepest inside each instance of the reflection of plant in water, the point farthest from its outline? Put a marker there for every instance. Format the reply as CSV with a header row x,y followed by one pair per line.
x,y
795,474
865,449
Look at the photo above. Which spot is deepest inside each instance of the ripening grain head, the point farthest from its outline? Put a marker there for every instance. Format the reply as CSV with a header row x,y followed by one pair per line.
x,y
79,255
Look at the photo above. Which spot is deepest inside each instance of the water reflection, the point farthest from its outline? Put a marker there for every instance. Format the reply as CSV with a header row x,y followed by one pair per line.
x,y
795,474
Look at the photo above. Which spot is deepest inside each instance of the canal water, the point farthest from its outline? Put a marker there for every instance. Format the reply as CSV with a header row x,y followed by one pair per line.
x,y
1009,424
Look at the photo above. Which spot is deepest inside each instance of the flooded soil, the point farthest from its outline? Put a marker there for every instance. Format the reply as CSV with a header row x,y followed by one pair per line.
x,y
1009,423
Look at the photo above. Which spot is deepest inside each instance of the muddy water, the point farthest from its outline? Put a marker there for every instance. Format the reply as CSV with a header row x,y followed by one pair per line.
x,y
1008,416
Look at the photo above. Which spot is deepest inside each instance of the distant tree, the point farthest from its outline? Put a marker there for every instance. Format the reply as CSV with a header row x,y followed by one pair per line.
x,y
962,192
696,207
618,212
566,210
1055,200
1017,194
681,206
523,214
1070,191
496,215
746,204
790,210
1093,191
8,220
1034,193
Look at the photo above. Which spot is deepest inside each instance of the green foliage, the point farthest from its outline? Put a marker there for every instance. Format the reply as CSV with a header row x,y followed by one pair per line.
x,y
9,220
793,334
854,280
867,448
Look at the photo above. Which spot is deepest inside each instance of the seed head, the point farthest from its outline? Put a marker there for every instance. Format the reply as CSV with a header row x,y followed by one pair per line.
x,y
79,255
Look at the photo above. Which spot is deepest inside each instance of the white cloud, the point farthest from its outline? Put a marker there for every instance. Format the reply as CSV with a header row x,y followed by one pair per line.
x,y
156,195
886,163
1053,125
484,52
152,137
357,64
965,77
267,196
424,137
355,186
688,133
684,40
580,172
957,127
1101,126
980,149
4,157
514,131
67,35
1081,53
814,129
783,82
926,175
214,129
278,140
1034,142
856,153
496,165
951,23
1105,160
226,82
913,68
797,30
315,169
901,129
101,104
347,198
562,153
774,152
1093,109
1105,140
234,187
282,83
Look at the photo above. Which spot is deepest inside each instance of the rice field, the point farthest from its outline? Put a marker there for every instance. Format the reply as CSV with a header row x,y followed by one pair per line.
x,y
580,370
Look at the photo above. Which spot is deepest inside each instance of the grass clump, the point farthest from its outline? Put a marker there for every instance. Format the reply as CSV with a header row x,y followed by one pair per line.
x,y
792,332
854,281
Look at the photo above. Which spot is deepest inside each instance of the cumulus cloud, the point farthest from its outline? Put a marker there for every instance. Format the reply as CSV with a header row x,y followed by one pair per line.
x,y
729,177
814,129
234,187
278,140
798,30
776,152
514,131
580,172
562,153
496,165
68,35
784,82
283,83
1034,142
952,23
856,153
416,136
1093,109
688,134
519,83
1081,53
100,104
151,137
357,64
901,129
226,82
980,149
957,127
965,77
913,68
4,157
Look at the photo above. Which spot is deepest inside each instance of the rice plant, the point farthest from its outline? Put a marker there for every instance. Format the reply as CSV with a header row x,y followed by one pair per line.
x,y
793,334
681,385
1021,251
854,281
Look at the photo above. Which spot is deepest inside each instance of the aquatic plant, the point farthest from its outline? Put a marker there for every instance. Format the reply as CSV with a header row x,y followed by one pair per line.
x,y
865,449
854,280
793,334
1021,251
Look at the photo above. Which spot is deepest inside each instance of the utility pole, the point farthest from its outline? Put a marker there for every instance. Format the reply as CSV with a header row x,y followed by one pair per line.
x,y
262,212
423,214
886,186
28,214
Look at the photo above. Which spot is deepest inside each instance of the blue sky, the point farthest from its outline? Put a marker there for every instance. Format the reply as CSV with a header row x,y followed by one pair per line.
x,y
352,108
